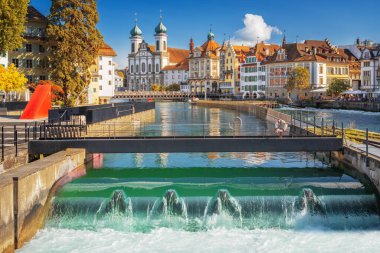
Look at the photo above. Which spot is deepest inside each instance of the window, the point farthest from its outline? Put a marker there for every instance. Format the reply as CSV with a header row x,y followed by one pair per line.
x,y
164,45
131,70
28,48
157,45
143,67
150,67
109,82
320,69
110,72
137,68
133,48
157,67
30,79
100,67
15,62
29,64
42,78
367,64
100,77
110,63
94,90
100,87
100,58
41,49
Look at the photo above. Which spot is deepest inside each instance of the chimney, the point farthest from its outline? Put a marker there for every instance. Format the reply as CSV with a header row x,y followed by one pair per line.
x,y
191,45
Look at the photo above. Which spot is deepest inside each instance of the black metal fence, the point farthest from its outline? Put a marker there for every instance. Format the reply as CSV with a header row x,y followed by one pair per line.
x,y
14,106
98,113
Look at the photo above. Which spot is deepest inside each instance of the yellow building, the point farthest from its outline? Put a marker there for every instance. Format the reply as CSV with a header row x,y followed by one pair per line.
x,y
230,76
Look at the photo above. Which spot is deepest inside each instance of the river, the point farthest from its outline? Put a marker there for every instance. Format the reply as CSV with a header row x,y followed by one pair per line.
x,y
214,202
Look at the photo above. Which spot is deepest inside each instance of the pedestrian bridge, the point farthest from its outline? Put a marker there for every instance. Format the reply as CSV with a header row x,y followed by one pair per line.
x,y
178,138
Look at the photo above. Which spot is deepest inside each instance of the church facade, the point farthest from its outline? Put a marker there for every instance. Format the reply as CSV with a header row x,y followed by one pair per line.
x,y
147,61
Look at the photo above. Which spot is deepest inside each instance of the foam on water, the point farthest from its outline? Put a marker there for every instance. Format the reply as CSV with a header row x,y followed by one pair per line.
x,y
216,240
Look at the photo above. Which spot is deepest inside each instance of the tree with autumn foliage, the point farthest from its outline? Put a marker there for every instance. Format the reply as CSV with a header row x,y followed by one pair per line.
x,y
72,29
57,91
11,79
298,79
12,23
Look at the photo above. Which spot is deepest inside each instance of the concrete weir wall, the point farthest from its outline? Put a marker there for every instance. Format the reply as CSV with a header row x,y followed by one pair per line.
x,y
370,167
24,195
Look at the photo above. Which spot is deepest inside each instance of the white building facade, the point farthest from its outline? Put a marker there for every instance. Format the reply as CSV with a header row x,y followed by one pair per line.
x,y
177,74
253,78
370,70
147,61
4,59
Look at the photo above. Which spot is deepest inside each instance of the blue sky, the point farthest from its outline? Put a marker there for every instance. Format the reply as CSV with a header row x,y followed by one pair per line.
x,y
342,21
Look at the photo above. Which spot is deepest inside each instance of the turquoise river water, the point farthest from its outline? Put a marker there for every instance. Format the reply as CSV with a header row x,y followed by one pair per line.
x,y
214,202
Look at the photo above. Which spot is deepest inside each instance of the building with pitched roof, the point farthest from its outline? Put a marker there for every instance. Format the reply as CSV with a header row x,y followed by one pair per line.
x,y
102,86
175,74
204,66
147,61
233,55
370,70
324,61
32,58
253,72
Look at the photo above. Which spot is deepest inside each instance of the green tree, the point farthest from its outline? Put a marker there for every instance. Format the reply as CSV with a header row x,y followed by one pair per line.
x,y
72,29
298,79
173,87
337,86
12,23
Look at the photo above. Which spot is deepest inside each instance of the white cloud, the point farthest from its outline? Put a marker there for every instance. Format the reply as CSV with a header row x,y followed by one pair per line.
x,y
255,27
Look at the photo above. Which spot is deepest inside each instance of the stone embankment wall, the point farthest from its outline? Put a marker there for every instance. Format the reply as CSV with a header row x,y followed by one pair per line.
x,y
24,196
122,126
263,110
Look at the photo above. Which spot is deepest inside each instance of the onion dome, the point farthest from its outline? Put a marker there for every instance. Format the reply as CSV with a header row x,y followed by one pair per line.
x,y
211,36
136,31
160,28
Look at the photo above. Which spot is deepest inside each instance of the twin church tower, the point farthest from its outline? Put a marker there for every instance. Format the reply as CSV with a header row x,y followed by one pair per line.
x,y
147,61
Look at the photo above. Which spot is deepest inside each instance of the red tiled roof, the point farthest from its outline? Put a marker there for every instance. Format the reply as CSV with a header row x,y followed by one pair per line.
x,y
304,52
183,65
176,55
106,50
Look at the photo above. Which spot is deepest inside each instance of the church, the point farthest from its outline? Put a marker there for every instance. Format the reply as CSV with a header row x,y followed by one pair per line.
x,y
147,61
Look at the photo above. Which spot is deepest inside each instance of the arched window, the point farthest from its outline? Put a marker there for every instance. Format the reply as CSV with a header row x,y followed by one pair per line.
x,y
157,68
143,67
131,70
133,47
132,81
150,67
137,68
164,45
157,45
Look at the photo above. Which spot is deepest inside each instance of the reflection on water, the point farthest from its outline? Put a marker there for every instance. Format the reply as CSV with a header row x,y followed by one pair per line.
x,y
196,202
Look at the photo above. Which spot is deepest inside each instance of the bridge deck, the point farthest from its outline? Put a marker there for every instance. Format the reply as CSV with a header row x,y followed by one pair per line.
x,y
189,144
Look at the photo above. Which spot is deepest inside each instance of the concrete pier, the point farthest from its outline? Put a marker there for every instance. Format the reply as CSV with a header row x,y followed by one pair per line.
x,y
24,196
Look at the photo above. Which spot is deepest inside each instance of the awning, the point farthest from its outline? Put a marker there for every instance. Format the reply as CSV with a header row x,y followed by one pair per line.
x,y
354,92
321,90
